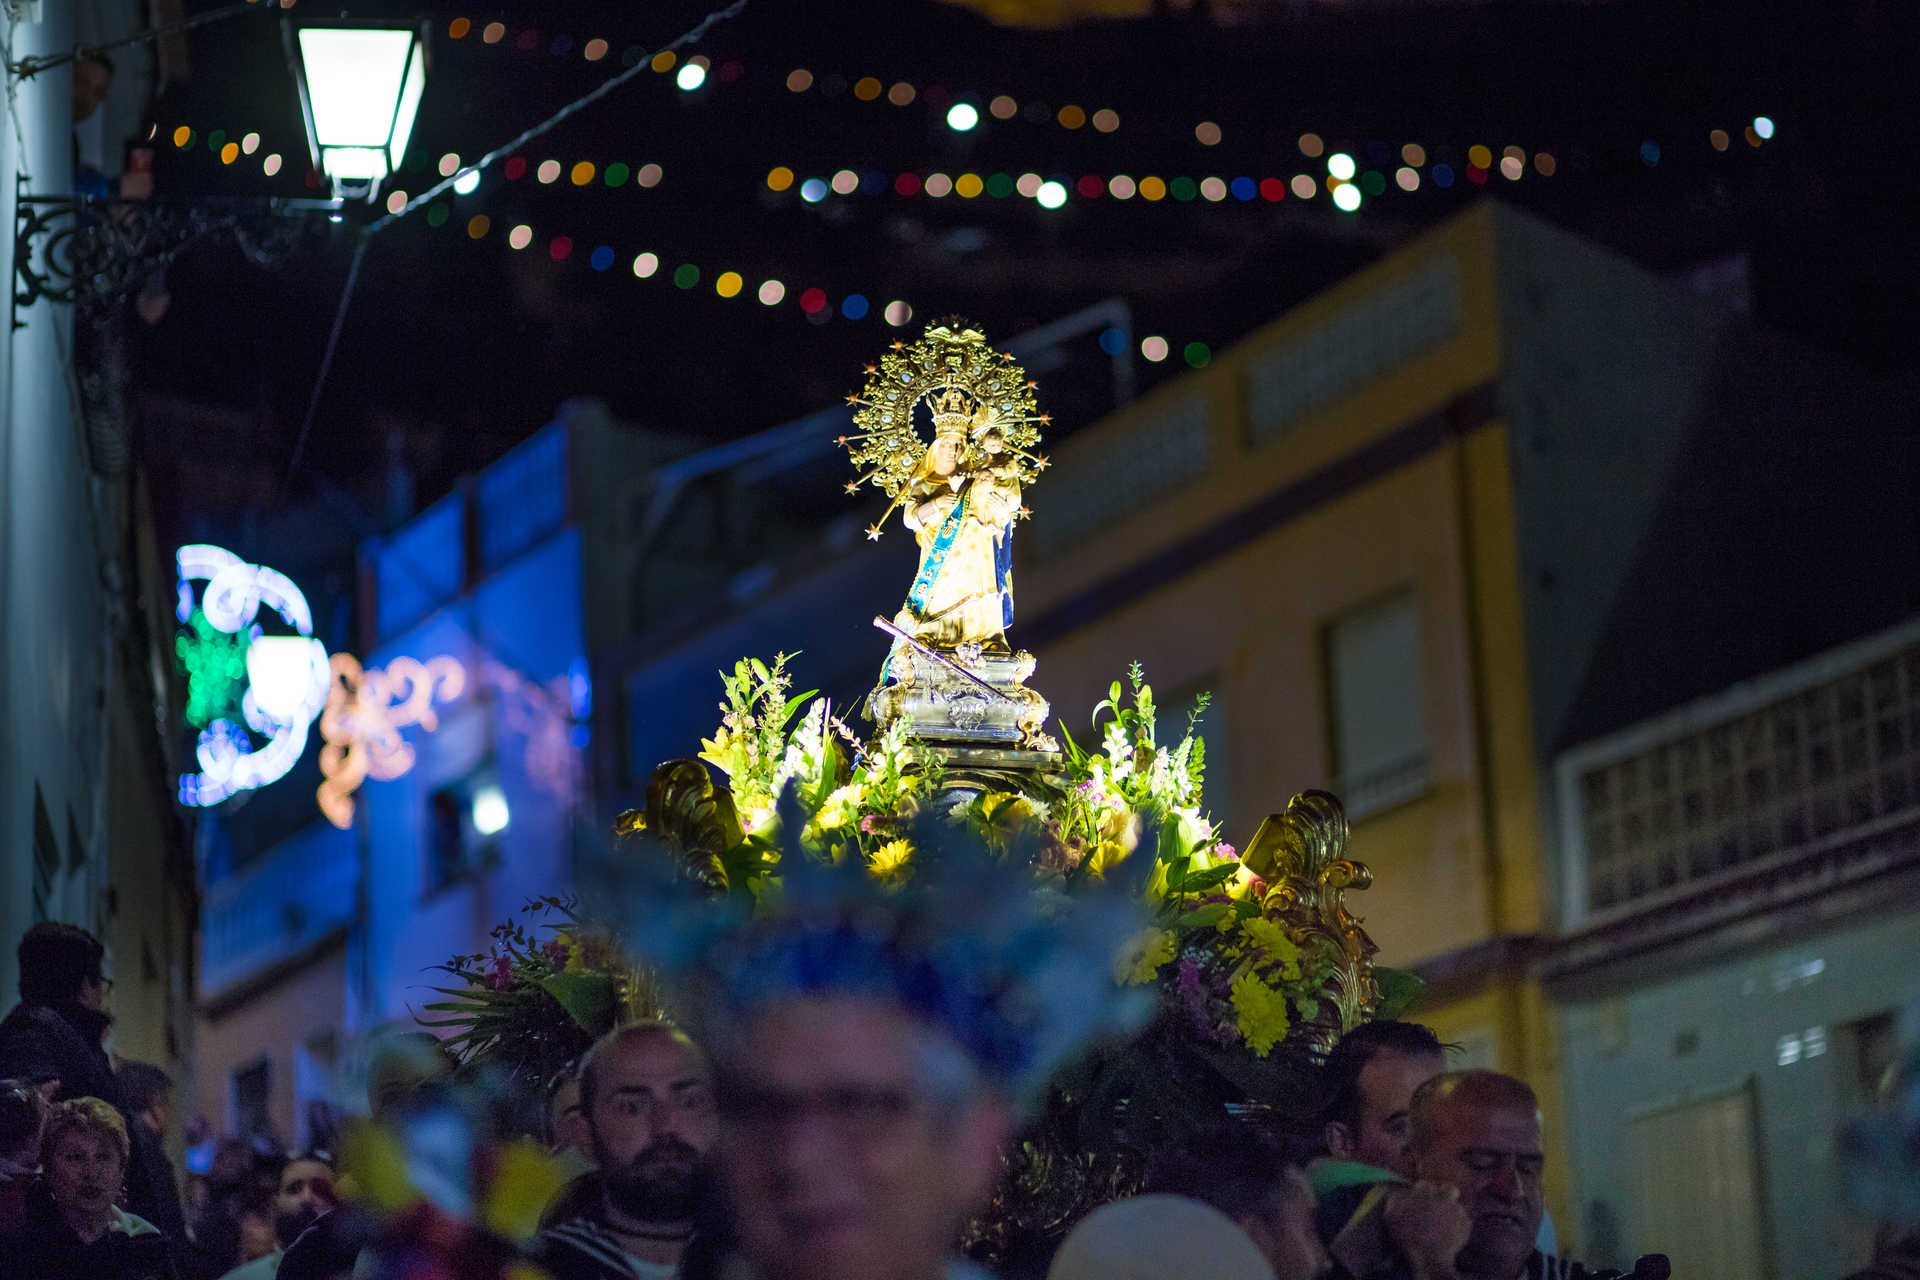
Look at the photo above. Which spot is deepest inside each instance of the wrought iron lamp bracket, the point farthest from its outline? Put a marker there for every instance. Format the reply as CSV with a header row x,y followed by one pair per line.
x,y
97,253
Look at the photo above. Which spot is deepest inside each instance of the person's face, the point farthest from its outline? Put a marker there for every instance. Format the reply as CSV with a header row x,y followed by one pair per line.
x,y
84,1172
305,1193
945,455
1492,1155
1386,1090
840,1162
1284,1231
651,1124
92,993
564,1117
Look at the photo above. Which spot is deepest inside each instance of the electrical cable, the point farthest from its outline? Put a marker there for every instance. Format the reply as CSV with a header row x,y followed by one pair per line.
x,y
326,357
578,104
367,233
27,68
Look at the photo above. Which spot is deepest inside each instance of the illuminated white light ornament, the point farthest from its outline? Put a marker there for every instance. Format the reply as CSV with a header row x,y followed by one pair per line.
x,y
490,812
962,116
280,673
360,88
1340,165
287,676
691,76
467,183
1763,127
1346,197
1051,195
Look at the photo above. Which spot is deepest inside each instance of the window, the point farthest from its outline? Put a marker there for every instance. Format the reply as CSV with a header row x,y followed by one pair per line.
x,y
465,821
1797,771
1379,722
252,1098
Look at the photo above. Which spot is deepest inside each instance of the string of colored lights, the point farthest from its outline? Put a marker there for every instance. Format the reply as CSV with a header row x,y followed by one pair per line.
x,y
962,114
612,175
1344,182
813,301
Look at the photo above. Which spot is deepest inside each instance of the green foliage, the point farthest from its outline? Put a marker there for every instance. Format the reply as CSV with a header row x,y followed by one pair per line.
x,y
533,1005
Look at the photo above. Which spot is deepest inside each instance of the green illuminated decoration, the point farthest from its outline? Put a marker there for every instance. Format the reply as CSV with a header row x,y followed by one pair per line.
x,y
216,665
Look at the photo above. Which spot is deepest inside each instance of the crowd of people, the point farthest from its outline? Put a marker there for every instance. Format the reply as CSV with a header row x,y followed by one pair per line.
x,y
830,1135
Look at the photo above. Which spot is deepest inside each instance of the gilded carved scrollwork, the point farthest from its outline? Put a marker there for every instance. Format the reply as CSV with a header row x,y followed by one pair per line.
x,y
1302,856
687,813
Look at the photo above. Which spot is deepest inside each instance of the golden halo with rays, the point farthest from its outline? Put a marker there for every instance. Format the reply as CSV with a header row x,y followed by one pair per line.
x,y
950,356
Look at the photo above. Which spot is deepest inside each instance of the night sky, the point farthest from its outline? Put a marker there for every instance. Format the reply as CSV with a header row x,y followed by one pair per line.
x,y
455,348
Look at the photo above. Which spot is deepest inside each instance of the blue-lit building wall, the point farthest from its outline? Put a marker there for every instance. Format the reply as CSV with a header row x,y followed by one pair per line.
x,y
520,635
348,924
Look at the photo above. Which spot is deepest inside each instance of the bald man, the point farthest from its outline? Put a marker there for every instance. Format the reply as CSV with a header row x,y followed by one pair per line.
x,y
1479,1132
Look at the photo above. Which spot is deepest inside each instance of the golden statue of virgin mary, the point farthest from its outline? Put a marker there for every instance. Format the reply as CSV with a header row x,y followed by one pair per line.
x,y
959,493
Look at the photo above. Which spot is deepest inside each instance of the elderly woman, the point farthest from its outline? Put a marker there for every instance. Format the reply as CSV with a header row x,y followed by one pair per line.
x,y
76,1231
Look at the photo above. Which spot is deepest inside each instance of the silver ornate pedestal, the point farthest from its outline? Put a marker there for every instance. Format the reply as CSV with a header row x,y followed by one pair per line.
x,y
993,710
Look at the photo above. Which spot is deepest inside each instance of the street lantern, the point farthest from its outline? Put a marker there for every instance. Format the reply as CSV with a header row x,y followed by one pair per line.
x,y
360,86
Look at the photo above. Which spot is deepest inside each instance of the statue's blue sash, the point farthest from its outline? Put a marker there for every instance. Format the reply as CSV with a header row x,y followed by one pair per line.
x,y
930,571
937,555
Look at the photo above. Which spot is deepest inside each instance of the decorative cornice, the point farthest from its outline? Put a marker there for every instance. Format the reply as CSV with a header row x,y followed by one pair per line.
x,y
1824,883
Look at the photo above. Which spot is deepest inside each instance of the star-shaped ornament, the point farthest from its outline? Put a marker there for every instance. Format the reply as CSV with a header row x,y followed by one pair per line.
x,y
873,533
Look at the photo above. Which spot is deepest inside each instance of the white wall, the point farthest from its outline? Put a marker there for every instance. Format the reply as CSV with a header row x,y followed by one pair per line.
x,y
1699,1032
52,629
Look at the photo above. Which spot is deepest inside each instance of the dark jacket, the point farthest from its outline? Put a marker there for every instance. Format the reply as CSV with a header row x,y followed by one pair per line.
x,y
40,1042
46,1248
152,1191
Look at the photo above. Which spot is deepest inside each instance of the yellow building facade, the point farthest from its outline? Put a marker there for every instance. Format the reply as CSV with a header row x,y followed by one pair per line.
x,y
1279,515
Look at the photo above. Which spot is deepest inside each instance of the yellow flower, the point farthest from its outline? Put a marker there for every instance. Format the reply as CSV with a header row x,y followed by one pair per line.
x,y
842,807
1119,836
376,1161
1273,940
524,1180
1260,1012
1140,960
718,750
890,858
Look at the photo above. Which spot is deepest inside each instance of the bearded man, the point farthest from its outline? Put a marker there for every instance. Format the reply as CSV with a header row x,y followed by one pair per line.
x,y
646,1097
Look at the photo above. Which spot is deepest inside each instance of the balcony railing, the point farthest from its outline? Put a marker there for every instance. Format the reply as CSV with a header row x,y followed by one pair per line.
x,y
304,890
1803,761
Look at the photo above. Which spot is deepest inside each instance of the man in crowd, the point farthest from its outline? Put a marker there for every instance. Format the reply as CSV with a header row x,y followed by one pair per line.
x,y
646,1098
857,1136
146,1090
303,1193
23,1117
872,1049
1479,1132
402,1067
54,1038
1371,1075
